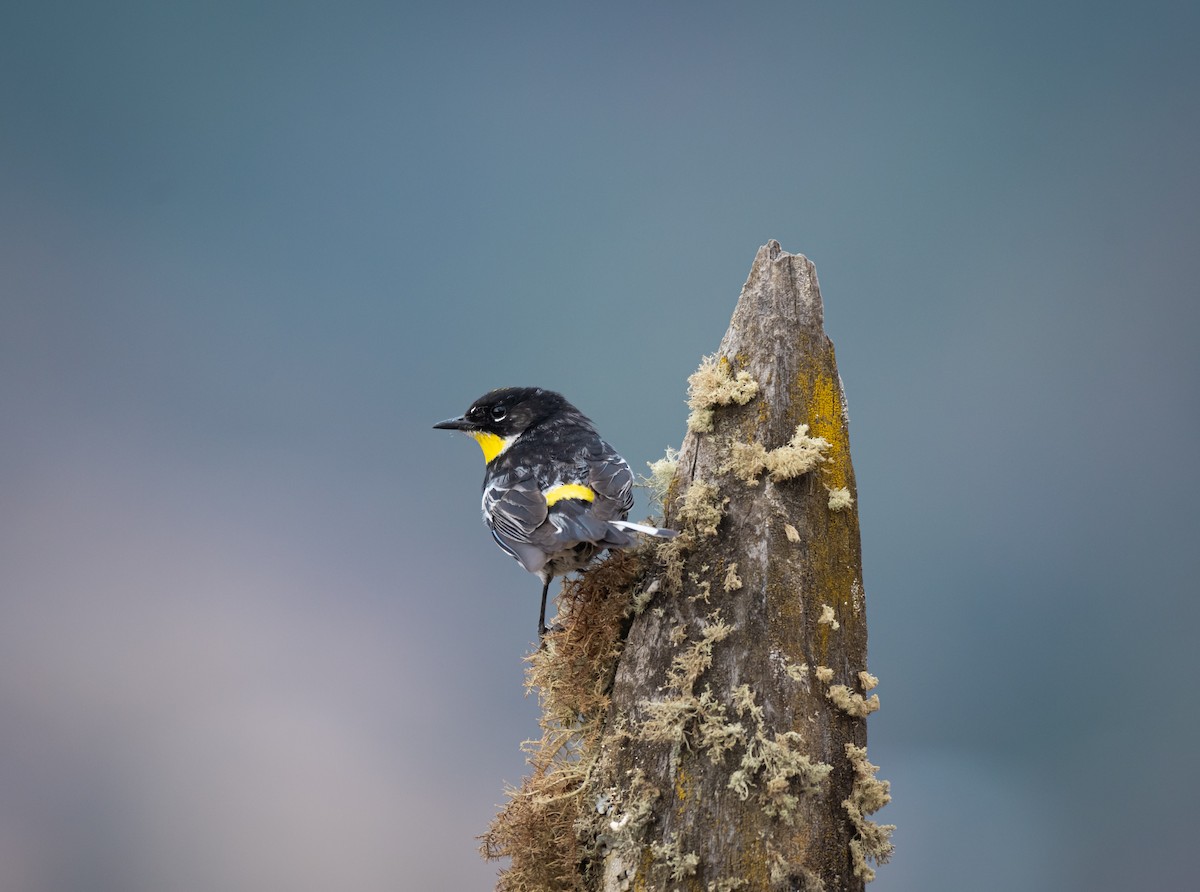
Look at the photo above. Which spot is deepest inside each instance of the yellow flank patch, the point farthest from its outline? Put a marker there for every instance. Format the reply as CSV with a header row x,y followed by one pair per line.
x,y
491,444
568,491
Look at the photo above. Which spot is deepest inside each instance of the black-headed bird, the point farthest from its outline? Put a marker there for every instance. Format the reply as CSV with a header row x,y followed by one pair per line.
x,y
555,494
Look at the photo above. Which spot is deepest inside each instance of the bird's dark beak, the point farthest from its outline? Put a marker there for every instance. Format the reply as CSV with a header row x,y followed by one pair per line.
x,y
454,424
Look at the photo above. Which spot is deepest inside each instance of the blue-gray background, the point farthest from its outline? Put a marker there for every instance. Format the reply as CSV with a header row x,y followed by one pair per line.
x,y
252,633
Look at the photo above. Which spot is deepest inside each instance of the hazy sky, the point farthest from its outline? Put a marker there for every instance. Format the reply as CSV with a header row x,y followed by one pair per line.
x,y
252,633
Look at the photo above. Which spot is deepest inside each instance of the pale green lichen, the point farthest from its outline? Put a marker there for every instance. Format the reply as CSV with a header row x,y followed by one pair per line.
x,y
747,461
824,673
688,665
743,702
852,703
779,868
700,421
792,533
797,671
699,516
733,582
715,384
773,766
793,877
867,680
826,618
872,841
616,834
693,720
781,768
678,863
684,717
840,499
702,508
798,456
630,810
662,474
550,827
642,599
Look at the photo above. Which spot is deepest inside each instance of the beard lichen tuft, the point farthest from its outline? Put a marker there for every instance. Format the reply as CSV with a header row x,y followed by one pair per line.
x,y
715,384
662,477
773,765
840,499
872,841
798,456
540,826
698,513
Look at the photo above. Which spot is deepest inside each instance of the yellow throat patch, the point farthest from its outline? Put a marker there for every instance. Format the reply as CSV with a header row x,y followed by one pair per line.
x,y
491,444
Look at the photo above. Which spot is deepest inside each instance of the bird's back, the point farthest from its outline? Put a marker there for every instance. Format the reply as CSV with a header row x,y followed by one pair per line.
x,y
550,496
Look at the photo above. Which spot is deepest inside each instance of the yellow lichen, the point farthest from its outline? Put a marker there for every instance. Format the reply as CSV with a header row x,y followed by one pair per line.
x,y
827,417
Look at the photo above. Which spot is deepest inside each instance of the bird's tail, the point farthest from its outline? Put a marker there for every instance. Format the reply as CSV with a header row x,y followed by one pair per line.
x,y
644,529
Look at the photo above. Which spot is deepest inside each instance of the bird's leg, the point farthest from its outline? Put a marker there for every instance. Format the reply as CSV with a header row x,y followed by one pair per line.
x,y
542,614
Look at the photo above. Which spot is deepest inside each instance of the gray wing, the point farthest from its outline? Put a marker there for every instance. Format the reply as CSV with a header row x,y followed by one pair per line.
x,y
612,481
525,528
514,515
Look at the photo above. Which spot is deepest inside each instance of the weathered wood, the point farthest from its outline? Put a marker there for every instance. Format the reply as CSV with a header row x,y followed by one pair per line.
x,y
714,738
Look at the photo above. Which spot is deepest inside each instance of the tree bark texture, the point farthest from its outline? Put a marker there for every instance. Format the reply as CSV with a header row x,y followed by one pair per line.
x,y
722,744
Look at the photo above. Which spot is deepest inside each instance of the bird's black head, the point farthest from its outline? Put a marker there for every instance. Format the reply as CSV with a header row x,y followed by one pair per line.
x,y
500,416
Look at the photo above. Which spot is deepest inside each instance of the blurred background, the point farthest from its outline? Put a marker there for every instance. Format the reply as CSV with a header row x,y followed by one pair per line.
x,y
252,632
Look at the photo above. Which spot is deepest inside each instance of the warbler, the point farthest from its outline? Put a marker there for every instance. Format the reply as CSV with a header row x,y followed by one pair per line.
x,y
555,494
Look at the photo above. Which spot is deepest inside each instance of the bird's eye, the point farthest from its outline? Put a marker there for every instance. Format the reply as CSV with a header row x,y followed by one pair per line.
x,y
499,413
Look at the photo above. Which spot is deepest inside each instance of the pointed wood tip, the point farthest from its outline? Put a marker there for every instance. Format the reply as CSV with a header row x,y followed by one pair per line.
x,y
773,249
786,284
781,295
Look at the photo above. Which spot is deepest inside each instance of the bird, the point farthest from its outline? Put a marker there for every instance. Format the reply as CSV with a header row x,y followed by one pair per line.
x,y
555,494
